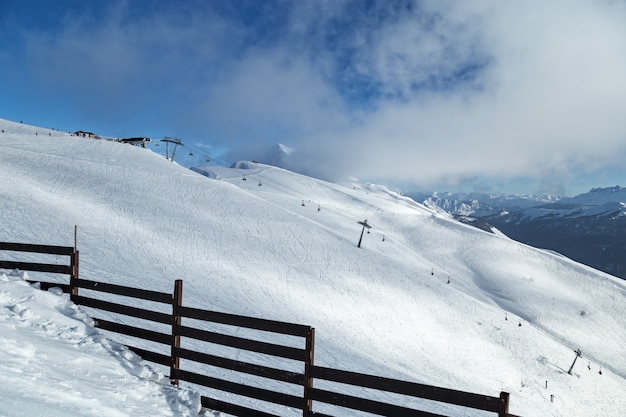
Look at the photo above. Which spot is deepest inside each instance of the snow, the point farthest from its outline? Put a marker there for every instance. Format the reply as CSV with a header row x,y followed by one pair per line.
x,y
55,364
599,196
597,202
574,211
480,204
262,241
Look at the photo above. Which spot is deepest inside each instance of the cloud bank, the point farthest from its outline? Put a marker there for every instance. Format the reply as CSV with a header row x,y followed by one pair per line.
x,y
420,93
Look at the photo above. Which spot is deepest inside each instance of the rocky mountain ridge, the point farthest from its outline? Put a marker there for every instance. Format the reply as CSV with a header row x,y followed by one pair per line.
x,y
589,228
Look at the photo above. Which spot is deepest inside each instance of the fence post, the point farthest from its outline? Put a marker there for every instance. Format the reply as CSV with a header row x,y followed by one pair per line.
x,y
307,406
74,274
177,301
74,265
504,404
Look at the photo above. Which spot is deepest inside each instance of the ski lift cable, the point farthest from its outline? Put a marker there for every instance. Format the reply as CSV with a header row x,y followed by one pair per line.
x,y
208,155
194,150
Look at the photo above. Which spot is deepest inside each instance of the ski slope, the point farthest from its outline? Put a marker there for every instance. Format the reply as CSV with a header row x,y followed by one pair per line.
x,y
55,364
424,299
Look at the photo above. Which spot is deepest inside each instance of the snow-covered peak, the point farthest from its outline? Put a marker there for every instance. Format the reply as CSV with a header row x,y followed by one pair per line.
x,y
480,204
599,196
278,155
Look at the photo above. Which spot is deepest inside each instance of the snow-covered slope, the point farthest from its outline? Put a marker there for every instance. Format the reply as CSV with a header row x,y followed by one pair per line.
x,y
55,364
262,241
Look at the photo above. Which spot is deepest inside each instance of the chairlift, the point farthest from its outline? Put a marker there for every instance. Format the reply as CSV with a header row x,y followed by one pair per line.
x,y
190,153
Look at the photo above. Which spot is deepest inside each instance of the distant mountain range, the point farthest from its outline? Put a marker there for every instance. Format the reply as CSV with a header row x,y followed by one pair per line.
x,y
589,228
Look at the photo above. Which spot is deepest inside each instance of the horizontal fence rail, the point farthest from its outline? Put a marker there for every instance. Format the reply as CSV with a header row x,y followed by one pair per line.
x,y
70,268
444,395
159,297
304,355
130,311
44,249
275,350
247,322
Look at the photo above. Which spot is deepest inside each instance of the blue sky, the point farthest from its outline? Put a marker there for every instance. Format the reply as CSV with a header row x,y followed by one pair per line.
x,y
474,95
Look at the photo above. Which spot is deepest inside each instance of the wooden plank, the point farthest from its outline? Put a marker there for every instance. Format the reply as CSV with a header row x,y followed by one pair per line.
x,y
244,367
36,267
47,249
45,285
245,344
149,295
247,322
369,406
133,331
139,313
150,356
450,396
231,409
262,394
307,404
177,301
74,275
504,401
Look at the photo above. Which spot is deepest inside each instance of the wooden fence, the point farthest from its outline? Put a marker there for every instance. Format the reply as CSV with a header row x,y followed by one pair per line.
x,y
69,268
302,380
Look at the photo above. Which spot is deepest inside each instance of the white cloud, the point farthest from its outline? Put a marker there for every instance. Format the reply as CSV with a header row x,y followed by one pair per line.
x,y
426,92
549,102
270,96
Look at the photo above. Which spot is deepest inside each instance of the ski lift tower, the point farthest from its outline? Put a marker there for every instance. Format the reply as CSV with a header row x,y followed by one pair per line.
x,y
167,141
364,224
